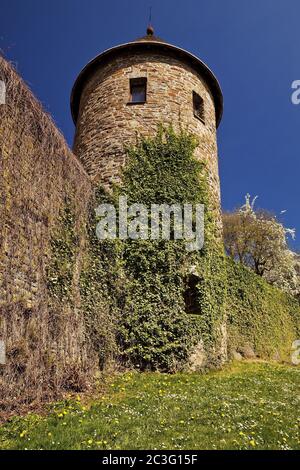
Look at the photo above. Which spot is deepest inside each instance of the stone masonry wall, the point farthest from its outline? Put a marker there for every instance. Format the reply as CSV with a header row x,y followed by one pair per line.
x,y
107,121
46,347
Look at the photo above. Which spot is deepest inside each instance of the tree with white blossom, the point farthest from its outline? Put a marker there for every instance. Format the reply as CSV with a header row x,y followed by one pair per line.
x,y
257,239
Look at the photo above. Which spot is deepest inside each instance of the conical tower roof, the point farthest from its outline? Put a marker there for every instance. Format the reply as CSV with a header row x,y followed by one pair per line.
x,y
148,43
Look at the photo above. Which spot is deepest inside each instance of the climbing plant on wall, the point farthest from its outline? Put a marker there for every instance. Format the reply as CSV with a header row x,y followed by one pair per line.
x,y
155,329
63,247
133,291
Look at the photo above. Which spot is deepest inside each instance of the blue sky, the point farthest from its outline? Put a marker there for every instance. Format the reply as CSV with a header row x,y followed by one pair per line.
x,y
251,45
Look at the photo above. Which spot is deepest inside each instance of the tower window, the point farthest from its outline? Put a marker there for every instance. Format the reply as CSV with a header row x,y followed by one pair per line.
x,y
191,295
198,105
138,90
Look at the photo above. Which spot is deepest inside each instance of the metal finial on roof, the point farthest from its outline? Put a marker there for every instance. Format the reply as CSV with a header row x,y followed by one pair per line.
x,y
150,29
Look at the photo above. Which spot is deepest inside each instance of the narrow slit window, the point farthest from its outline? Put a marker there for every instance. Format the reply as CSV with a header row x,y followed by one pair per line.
x,y
138,90
198,105
191,295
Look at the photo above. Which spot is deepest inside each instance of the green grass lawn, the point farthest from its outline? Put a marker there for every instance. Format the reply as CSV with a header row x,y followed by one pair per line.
x,y
245,406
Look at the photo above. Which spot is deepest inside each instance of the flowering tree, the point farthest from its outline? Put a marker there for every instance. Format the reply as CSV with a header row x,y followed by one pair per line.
x,y
258,240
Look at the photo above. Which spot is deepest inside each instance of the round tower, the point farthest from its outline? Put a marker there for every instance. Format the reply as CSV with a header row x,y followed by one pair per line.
x,y
130,89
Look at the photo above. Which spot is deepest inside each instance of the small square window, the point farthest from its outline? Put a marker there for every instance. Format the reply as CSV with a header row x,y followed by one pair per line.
x,y
138,90
198,106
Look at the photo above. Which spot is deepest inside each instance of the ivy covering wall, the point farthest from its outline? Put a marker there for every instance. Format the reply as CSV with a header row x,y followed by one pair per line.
x,y
133,290
64,247
260,315
44,193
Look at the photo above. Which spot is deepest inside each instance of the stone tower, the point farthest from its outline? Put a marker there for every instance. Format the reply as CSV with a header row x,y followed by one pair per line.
x,y
130,89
